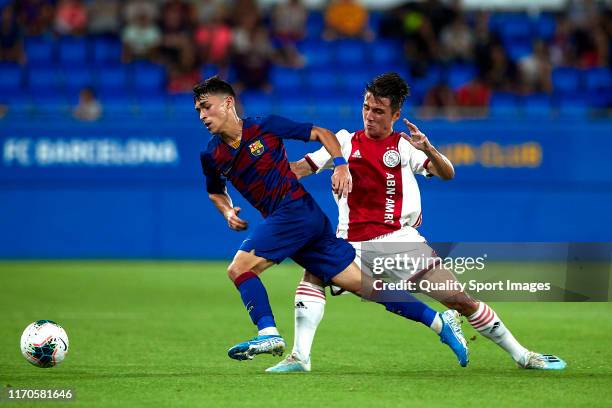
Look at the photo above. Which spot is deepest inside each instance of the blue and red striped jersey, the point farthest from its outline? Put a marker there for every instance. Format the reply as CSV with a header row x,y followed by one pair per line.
x,y
258,168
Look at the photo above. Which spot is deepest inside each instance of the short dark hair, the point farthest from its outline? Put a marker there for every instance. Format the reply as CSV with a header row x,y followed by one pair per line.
x,y
212,85
389,85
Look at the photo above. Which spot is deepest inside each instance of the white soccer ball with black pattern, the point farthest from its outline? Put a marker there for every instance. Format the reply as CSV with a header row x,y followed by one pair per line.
x,y
44,343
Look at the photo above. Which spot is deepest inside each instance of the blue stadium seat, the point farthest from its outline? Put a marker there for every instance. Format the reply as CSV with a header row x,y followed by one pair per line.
x,y
537,105
514,27
116,102
503,104
72,50
78,77
544,26
287,79
459,74
152,104
148,77
10,77
323,80
384,52
350,53
40,50
295,105
314,24
181,104
106,50
598,79
44,79
318,53
256,103
109,79
519,49
573,106
566,81
48,102
355,80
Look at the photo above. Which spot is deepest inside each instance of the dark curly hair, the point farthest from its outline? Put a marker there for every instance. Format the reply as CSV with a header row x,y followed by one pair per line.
x,y
389,85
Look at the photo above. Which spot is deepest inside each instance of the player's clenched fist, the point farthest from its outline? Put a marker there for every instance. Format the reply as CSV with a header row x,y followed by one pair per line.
x,y
342,182
416,138
235,222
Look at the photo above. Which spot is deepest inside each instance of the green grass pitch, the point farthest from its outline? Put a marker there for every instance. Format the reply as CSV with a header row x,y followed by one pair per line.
x,y
157,334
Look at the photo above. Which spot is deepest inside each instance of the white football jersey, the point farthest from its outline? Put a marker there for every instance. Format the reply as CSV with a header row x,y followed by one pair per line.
x,y
385,196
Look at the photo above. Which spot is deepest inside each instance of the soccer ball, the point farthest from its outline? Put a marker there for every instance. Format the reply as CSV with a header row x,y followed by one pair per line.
x,y
44,343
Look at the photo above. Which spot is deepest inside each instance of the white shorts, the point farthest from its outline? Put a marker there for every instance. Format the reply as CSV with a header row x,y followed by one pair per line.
x,y
400,255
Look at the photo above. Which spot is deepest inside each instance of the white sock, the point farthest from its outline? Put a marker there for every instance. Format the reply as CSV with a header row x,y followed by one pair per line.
x,y
309,309
268,331
437,324
487,323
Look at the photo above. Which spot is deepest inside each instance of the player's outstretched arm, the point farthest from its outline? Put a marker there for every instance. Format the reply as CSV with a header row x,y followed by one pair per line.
x,y
301,168
439,165
223,202
342,183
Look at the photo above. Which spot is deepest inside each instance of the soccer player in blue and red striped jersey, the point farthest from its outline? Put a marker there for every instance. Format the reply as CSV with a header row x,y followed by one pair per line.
x,y
250,153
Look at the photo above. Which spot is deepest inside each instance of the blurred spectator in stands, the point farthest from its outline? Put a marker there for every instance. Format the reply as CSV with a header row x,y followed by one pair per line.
x,y
176,24
583,13
591,49
440,14
243,11
439,100
70,17
483,40
35,16
184,74
141,39
88,108
207,10
136,8
421,45
535,70
289,27
457,41
473,98
11,42
213,41
606,39
253,56
562,51
501,72
103,17
346,19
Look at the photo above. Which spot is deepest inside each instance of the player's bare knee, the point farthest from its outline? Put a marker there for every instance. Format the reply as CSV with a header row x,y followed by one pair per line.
x,y
310,278
233,271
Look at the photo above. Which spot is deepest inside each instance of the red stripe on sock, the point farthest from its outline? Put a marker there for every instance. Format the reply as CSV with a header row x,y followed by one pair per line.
x,y
484,320
244,277
478,326
487,312
314,294
311,289
480,315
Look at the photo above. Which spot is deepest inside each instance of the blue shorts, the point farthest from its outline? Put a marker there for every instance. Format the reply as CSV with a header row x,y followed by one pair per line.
x,y
301,231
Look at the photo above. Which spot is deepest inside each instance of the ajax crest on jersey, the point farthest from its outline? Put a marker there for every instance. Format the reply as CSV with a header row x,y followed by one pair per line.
x,y
391,158
44,343
257,148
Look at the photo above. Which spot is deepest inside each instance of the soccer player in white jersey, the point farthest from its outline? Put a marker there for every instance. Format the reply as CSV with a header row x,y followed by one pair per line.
x,y
384,207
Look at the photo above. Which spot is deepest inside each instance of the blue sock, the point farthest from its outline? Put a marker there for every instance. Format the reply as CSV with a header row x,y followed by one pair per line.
x,y
411,308
255,299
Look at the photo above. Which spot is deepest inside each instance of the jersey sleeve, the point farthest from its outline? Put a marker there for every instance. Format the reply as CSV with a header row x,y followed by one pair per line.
x,y
286,128
322,160
215,184
414,158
